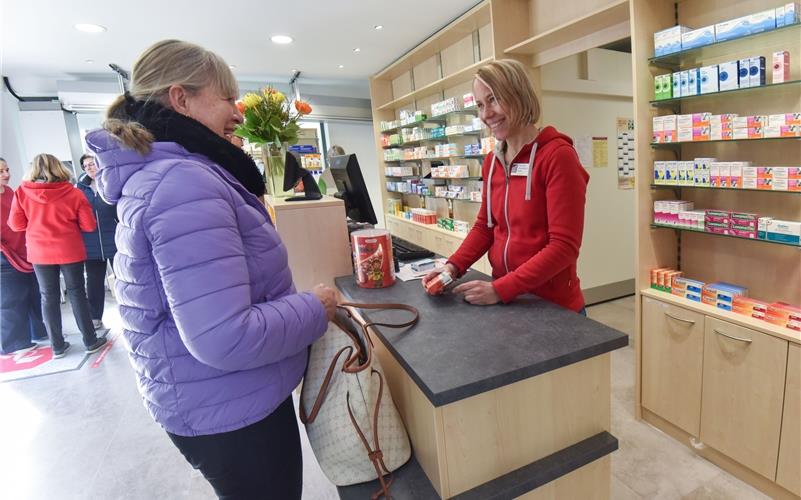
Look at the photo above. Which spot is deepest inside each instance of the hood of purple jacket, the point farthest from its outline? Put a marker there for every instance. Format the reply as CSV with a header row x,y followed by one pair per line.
x,y
215,330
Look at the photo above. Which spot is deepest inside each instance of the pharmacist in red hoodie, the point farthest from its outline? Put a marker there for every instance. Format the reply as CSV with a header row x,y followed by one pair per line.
x,y
54,212
20,303
531,218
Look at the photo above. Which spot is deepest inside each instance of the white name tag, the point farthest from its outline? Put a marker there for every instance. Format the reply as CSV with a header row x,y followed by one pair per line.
x,y
520,169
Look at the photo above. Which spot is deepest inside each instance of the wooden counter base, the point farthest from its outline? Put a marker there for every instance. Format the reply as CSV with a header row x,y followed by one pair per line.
x,y
464,444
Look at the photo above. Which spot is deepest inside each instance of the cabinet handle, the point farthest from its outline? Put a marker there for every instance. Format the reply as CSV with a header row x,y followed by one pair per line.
x,y
688,321
747,341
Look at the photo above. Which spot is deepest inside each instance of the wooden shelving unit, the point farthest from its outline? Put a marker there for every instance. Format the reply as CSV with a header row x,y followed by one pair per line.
x,y
600,19
771,272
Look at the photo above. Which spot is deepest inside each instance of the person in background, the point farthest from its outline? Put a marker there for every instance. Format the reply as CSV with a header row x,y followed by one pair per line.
x,y
531,218
216,332
335,151
100,247
54,213
21,305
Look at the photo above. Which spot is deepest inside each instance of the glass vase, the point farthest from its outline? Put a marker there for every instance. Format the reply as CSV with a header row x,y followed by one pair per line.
x,y
274,158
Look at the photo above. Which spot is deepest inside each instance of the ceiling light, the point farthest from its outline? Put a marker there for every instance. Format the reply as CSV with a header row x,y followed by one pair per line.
x,y
341,66
90,61
232,66
90,28
378,27
357,50
281,39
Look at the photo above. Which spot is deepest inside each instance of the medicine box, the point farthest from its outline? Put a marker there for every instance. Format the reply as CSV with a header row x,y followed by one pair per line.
x,y
669,40
698,37
746,25
756,71
676,84
742,73
692,82
728,76
684,83
708,79
780,68
784,231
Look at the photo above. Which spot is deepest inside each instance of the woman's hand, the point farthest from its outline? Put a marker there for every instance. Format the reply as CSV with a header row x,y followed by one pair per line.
x,y
434,273
328,297
480,293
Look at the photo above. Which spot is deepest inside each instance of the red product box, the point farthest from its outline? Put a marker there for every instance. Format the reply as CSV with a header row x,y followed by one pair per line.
x,y
714,228
743,233
744,219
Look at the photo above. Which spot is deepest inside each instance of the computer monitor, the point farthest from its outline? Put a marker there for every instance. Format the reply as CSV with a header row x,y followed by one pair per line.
x,y
352,189
294,173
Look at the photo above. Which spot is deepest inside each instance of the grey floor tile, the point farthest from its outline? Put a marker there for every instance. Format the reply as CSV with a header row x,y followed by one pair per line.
x,y
90,433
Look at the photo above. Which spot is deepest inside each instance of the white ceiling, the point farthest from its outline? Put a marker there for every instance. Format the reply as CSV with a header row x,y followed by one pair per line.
x,y
40,45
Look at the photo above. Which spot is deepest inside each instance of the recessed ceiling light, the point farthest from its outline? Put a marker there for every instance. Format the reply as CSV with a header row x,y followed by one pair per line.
x,y
378,27
90,28
232,66
357,50
90,61
341,66
281,39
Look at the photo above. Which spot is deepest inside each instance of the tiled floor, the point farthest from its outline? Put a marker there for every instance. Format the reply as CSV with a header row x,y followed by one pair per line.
x,y
86,435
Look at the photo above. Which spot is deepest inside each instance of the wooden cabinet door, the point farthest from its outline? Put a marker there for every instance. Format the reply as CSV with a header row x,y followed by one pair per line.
x,y
741,412
672,362
789,472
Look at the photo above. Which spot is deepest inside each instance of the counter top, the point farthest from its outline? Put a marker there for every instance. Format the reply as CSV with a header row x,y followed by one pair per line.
x,y
283,204
458,350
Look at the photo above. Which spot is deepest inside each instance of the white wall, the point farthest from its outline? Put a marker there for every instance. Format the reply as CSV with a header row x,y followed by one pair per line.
x,y
357,137
582,96
12,146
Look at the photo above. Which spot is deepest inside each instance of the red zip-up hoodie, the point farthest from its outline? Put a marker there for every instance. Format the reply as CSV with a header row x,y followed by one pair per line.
x,y
531,221
53,214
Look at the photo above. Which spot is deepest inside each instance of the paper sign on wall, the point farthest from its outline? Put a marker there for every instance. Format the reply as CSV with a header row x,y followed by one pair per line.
x,y
600,152
583,145
625,153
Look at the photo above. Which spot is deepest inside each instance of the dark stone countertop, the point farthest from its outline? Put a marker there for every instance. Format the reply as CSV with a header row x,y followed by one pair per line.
x,y
458,350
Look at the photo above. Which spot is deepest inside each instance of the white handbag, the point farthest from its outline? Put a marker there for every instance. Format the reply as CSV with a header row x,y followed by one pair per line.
x,y
353,426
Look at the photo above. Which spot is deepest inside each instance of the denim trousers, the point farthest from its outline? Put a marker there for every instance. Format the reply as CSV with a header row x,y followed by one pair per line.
x,y
47,275
96,286
20,309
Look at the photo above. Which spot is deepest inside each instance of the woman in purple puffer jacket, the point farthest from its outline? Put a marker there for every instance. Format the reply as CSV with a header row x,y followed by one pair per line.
x,y
216,332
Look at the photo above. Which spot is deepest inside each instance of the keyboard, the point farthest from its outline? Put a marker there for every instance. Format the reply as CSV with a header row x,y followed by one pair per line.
x,y
405,251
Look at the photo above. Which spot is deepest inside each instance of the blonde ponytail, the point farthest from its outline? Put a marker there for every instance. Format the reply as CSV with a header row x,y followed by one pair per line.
x,y
164,64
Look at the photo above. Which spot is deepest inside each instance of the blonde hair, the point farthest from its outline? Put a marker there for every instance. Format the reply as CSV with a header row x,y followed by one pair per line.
x,y
509,83
164,64
48,168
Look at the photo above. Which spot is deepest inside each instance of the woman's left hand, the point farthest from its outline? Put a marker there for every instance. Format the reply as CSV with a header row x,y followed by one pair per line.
x,y
480,293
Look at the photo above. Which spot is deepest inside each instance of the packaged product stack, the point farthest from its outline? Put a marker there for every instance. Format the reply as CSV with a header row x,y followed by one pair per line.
x,y
721,294
472,149
394,206
662,278
750,307
687,288
468,101
783,125
399,171
487,145
782,231
677,38
447,106
424,216
667,211
785,315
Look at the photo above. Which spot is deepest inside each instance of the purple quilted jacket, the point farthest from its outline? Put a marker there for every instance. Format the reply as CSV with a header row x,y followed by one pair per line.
x,y
216,333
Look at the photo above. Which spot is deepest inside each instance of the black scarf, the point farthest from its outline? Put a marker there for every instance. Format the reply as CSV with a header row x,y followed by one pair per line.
x,y
168,126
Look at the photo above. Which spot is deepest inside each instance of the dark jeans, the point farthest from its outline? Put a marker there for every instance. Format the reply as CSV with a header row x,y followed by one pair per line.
x,y
96,286
47,274
20,309
583,311
262,460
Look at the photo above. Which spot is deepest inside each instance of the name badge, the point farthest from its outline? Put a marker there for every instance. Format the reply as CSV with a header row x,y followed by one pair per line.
x,y
520,169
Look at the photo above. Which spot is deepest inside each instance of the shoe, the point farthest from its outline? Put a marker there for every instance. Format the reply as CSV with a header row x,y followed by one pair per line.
x,y
19,352
98,324
59,353
96,346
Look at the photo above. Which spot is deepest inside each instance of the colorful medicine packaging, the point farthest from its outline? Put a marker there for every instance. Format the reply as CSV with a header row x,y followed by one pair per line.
x,y
721,294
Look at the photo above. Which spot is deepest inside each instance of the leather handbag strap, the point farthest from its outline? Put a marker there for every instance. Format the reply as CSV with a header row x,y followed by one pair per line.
x,y
375,454
352,362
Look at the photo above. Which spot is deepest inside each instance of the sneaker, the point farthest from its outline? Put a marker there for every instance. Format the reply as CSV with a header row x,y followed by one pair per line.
x,y
98,324
96,346
60,353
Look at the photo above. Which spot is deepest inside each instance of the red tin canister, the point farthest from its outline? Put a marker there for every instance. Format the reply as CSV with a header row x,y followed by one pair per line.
x,y
372,258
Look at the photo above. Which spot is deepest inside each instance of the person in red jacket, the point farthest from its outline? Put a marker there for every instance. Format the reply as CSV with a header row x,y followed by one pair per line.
x,y
54,212
531,218
20,303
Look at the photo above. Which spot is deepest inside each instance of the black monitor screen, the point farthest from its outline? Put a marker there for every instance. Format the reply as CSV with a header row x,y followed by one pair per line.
x,y
352,189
